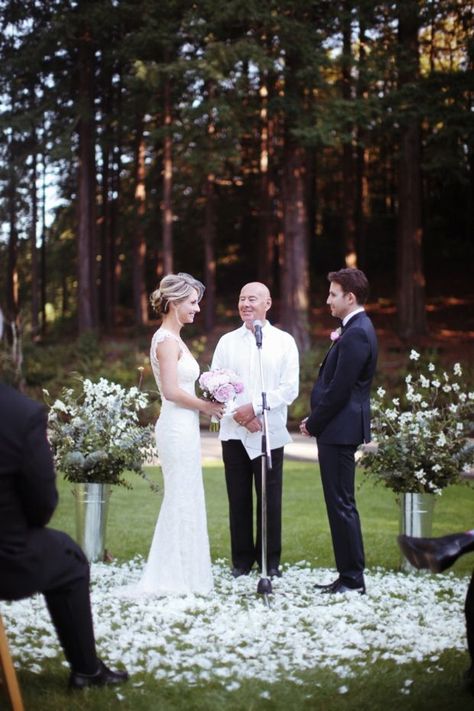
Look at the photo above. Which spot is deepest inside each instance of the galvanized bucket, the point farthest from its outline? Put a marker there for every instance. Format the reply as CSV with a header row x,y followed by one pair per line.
x,y
92,508
416,519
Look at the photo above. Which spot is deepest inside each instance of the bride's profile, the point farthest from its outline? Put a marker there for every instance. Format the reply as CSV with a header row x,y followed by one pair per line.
x,y
179,559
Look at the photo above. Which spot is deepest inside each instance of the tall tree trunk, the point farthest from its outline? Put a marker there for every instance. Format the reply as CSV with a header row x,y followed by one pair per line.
x,y
35,283
410,275
87,301
267,237
43,246
167,211
209,238
295,282
209,228
140,303
116,188
361,183
104,225
106,145
12,250
348,225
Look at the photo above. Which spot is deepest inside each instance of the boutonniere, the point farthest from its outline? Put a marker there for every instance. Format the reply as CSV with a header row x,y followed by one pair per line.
x,y
335,335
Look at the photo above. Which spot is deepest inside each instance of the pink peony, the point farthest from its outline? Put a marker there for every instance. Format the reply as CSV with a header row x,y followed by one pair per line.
x,y
224,393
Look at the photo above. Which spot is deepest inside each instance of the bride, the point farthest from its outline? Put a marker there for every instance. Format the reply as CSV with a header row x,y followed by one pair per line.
x,y
179,560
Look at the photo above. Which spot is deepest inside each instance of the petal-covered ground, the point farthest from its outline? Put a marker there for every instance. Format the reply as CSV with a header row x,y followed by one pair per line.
x,y
233,634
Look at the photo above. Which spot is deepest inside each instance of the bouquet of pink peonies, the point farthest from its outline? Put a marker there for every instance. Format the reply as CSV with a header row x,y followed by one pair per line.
x,y
220,385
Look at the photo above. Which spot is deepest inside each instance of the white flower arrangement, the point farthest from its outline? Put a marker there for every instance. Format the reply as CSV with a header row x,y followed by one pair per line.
x,y
96,433
421,439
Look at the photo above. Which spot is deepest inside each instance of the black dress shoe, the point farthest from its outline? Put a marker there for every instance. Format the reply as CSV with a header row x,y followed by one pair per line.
x,y
237,572
103,677
437,554
318,586
338,588
274,573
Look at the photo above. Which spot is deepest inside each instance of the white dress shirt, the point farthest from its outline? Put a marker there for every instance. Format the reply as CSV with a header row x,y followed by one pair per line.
x,y
238,351
347,318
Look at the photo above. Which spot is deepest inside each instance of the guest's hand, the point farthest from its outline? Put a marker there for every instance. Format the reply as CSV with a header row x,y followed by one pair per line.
x,y
303,429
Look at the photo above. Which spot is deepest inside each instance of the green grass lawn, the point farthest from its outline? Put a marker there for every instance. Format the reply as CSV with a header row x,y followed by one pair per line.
x,y
305,537
133,515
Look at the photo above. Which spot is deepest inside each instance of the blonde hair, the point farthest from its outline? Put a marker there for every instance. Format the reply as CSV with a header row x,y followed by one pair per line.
x,y
176,288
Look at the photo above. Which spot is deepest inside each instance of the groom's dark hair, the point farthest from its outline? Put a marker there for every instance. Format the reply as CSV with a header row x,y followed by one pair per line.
x,y
352,281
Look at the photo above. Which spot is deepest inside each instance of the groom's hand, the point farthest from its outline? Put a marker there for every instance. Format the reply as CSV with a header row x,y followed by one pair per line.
x,y
303,429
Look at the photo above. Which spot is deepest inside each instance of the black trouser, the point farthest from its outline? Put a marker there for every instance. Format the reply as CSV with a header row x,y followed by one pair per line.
x,y
241,473
337,466
63,578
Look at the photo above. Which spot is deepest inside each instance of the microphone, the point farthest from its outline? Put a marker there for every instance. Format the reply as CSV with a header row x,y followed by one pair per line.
x,y
257,327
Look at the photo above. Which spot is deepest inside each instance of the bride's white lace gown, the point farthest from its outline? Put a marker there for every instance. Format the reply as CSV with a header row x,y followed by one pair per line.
x,y
179,559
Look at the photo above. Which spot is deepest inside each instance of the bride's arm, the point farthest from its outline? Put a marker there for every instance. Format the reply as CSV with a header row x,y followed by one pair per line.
x,y
167,353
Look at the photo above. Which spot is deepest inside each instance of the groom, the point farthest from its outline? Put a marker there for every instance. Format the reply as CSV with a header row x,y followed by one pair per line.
x,y
241,434
340,421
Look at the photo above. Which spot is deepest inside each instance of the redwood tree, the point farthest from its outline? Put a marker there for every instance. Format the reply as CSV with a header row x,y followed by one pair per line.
x,y
410,275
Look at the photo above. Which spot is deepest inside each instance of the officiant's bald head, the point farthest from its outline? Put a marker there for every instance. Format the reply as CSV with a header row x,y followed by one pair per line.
x,y
254,302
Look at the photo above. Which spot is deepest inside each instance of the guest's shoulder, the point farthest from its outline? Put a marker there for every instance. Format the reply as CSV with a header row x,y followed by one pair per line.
x,y
17,403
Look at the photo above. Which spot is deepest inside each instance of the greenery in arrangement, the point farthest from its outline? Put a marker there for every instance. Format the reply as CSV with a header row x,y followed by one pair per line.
x,y
96,433
421,437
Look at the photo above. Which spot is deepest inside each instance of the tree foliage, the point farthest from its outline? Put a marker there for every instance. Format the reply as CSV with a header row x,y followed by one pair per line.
x,y
236,140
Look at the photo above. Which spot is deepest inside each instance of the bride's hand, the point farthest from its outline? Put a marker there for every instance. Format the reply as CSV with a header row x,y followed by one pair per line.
x,y
214,409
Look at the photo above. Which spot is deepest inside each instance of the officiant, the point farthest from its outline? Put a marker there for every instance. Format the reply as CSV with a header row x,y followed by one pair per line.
x,y
241,431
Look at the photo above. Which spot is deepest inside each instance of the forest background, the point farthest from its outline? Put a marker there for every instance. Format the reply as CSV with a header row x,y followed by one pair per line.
x,y
236,140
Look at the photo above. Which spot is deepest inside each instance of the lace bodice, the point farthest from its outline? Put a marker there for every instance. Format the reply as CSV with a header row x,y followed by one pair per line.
x,y
188,368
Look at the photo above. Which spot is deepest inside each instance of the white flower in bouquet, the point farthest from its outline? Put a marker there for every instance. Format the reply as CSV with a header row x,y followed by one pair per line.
x,y
421,437
220,385
96,433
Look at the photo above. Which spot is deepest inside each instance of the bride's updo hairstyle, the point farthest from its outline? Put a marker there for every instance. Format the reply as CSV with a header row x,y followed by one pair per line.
x,y
174,288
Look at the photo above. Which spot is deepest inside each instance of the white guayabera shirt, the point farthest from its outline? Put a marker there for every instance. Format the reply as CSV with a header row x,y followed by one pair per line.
x,y
238,351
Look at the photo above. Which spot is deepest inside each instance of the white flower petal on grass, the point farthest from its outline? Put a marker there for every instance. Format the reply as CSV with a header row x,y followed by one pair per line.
x,y
230,635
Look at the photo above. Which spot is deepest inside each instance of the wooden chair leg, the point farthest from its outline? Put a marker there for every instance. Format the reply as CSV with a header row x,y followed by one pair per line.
x,y
8,672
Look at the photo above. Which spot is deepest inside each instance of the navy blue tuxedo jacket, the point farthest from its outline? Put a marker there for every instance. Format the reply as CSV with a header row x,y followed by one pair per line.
x,y
340,399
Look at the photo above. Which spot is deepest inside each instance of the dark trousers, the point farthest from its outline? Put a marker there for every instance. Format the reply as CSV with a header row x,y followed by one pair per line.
x,y
241,473
63,579
337,466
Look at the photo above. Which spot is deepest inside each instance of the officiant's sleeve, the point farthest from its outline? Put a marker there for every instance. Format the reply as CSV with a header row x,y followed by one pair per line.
x,y
37,480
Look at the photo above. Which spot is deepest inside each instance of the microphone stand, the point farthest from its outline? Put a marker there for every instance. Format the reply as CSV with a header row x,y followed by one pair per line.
x,y
264,586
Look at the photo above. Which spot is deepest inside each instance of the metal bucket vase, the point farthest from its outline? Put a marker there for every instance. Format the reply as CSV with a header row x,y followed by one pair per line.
x,y
92,508
416,519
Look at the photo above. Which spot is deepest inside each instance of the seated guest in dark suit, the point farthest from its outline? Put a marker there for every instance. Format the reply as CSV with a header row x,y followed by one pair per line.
x,y
36,559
